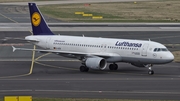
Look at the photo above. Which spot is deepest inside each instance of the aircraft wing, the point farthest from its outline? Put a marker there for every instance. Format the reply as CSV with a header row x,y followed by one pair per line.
x,y
101,54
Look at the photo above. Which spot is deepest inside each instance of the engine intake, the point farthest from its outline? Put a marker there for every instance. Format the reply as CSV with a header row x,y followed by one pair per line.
x,y
96,63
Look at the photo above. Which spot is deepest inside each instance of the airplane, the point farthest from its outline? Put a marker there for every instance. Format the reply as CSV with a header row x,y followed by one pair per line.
x,y
95,53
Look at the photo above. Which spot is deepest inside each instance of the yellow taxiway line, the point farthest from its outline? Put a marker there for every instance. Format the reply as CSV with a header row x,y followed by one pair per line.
x,y
30,71
42,56
32,63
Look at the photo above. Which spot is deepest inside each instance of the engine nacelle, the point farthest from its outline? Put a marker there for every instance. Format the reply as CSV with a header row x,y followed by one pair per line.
x,y
96,63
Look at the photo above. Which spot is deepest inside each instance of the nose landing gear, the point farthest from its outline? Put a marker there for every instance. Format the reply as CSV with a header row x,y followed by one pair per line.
x,y
150,71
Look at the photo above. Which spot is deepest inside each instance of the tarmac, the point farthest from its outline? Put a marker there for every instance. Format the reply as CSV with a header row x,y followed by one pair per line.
x,y
53,76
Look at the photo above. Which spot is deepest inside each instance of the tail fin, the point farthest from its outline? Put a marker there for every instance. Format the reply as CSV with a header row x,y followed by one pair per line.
x,y
38,22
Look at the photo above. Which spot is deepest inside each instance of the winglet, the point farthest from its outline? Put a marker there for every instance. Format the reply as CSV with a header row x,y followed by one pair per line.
x,y
14,49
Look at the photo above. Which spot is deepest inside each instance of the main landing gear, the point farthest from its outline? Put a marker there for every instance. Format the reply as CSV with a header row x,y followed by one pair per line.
x,y
150,71
113,66
84,69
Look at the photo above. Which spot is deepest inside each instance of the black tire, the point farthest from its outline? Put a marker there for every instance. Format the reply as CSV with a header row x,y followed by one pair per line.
x,y
87,69
111,67
150,72
84,69
115,66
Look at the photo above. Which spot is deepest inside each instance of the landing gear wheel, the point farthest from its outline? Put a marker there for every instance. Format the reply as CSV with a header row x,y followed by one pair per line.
x,y
116,66
84,69
87,69
150,72
113,66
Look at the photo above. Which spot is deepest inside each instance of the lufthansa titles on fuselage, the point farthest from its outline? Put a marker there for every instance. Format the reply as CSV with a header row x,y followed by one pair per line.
x,y
58,41
128,44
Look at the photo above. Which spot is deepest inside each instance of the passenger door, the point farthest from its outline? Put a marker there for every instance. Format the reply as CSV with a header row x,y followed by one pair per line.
x,y
144,49
48,41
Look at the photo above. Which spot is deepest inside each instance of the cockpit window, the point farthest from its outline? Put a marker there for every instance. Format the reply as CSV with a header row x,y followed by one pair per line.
x,y
160,49
164,49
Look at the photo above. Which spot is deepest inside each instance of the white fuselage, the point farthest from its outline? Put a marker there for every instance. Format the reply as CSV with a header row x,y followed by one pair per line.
x,y
119,50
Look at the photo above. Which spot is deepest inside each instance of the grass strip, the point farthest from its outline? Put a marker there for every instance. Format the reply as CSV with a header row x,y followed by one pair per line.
x,y
3,1
142,11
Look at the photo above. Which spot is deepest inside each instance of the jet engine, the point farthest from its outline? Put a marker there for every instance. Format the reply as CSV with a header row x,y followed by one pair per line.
x,y
96,63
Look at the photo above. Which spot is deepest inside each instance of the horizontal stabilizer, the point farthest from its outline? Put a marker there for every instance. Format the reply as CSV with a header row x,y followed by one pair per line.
x,y
21,39
14,49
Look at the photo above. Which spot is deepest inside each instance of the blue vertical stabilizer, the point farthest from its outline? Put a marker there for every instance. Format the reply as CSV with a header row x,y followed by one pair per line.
x,y
38,22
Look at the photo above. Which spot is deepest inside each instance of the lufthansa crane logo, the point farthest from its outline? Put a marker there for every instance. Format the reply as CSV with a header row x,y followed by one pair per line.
x,y
36,19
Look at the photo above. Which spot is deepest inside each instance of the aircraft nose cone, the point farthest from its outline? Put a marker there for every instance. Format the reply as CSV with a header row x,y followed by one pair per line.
x,y
170,57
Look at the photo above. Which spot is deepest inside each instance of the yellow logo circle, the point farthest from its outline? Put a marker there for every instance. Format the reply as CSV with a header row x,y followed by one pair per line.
x,y
36,19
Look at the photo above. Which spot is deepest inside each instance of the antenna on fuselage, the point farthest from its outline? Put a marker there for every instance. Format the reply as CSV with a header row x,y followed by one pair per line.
x,y
83,35
149,39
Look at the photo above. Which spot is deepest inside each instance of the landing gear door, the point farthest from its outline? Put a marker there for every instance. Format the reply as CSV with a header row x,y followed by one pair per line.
x,y
144,49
